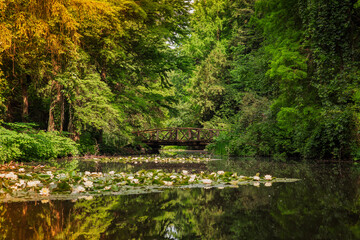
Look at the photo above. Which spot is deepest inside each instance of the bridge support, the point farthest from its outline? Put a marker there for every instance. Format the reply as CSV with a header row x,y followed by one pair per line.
x,y
153,149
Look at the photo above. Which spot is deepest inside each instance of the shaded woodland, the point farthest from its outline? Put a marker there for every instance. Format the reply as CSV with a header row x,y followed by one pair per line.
x,y
79,76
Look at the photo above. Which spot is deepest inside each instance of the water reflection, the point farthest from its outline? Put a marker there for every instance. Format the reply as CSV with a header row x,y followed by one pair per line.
x,y
324,205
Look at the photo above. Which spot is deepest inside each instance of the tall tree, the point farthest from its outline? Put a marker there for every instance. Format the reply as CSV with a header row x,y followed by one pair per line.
x,y
52,52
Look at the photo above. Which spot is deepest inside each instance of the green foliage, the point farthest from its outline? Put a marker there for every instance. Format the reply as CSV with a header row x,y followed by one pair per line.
x,y
33,145
251,132
88,144
302,59
220,145
90,101
206,85
281,76
312,109
92,68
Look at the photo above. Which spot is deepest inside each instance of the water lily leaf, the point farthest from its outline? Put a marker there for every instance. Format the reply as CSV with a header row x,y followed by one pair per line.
x,y
63,182
45,176
63,186
157,182
24,176
122,183
76,178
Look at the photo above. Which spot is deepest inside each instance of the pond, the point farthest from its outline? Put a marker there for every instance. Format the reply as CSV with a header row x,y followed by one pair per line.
x,y
324,204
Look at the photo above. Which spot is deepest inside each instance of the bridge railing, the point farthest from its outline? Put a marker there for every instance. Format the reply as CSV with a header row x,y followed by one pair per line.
x,y
177,135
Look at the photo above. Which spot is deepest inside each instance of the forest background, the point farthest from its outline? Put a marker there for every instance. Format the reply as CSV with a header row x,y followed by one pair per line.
x,y
79,76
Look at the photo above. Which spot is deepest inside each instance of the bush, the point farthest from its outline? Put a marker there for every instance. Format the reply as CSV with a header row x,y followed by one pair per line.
x,y
88,144
220,146
34,146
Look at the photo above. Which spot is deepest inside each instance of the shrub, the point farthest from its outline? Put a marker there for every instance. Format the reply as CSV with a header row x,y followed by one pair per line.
x,y
34,145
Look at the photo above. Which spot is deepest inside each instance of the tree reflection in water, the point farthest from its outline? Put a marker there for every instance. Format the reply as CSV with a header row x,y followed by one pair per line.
x,y
324,205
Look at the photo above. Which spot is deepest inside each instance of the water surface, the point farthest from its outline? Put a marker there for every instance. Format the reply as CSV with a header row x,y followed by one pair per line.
x,y
325,204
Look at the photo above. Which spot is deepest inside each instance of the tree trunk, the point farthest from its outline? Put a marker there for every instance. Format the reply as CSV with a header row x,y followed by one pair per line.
x,y
25,98
51,123
25,104
74,134
62,114
70,125
103,74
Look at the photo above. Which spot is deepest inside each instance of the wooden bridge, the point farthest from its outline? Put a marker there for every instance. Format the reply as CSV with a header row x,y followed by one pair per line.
x,y
177,136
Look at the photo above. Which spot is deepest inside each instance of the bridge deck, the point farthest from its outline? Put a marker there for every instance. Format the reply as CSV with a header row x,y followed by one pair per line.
x,y
177,136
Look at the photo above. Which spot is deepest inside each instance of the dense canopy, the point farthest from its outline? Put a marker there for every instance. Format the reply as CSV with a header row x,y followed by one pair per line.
x,y
281,76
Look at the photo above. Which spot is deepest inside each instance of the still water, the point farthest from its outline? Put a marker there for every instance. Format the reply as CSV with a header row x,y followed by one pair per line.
x,y
325,204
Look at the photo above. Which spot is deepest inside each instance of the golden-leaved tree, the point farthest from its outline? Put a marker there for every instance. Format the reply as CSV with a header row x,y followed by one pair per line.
x,y
41,40
86,65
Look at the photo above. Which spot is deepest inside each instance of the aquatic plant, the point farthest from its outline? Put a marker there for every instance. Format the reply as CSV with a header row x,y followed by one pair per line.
x,y
24,181
151,159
